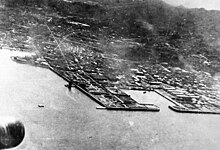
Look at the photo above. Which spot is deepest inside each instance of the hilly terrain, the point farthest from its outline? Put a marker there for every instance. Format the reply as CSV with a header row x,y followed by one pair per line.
x,y
129,44
159,32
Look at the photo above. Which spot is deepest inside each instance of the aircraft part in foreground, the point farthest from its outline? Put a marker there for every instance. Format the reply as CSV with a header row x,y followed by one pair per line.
x,y
12,132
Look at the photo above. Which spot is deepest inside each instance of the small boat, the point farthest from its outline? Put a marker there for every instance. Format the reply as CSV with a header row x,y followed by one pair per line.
x,y
18,60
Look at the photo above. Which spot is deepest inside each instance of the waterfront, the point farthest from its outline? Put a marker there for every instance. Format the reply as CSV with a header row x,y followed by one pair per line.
x,y
101,61
70,120
102,58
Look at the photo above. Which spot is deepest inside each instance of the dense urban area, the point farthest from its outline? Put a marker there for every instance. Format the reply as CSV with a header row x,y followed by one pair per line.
x,y
104,47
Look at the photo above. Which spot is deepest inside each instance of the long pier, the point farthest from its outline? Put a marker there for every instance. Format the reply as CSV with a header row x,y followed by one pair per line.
x,y
145,107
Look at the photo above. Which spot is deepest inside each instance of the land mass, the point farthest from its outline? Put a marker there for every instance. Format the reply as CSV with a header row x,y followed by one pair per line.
x,y
123,44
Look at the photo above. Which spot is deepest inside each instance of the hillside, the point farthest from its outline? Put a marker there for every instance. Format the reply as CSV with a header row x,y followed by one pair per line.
x,y
142,45
157,32
165,33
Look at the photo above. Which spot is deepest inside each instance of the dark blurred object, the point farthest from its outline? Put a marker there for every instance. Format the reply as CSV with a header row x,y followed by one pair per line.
x,y
11,133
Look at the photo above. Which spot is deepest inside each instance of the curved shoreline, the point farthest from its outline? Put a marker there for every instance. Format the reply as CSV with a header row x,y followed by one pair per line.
x,y
23,61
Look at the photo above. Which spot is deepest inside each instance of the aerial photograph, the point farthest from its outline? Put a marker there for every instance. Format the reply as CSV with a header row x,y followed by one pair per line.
x,y
110,74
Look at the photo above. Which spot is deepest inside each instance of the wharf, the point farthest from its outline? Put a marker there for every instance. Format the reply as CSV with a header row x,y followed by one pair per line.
x,y
134,107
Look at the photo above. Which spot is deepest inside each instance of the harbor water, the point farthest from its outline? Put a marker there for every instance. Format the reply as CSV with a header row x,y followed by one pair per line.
x,y
69,119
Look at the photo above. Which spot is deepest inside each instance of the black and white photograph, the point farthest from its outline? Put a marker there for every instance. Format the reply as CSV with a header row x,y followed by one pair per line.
x,y
110,74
